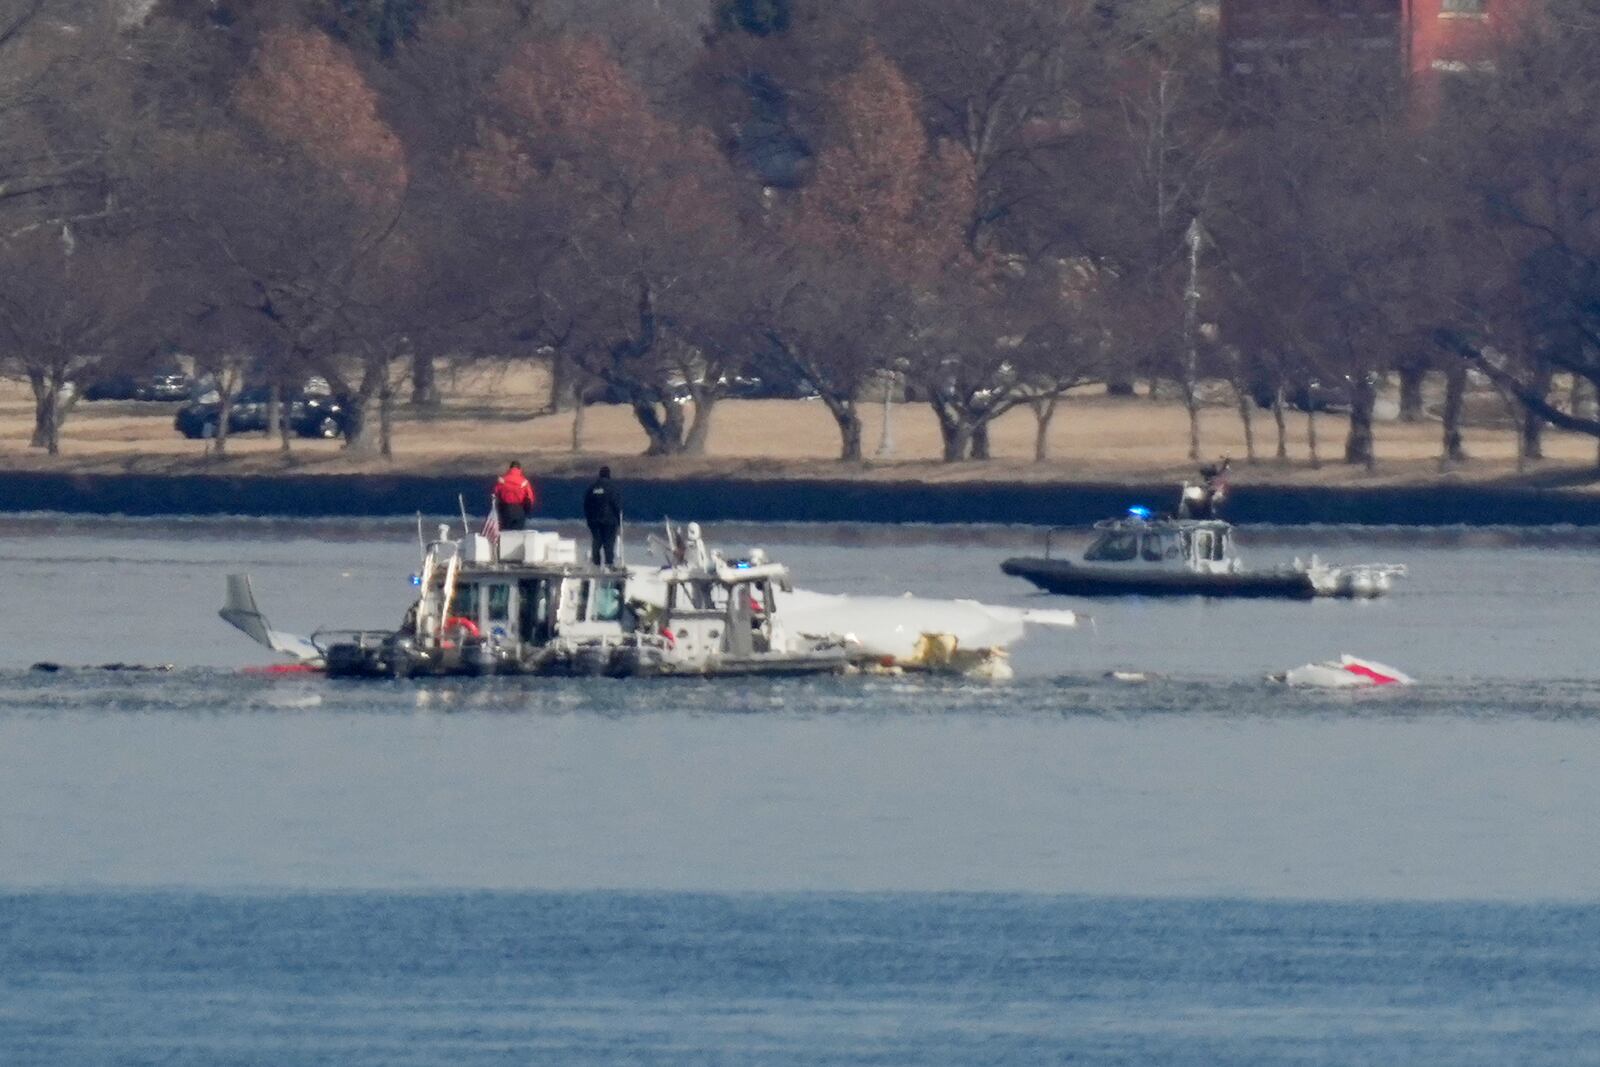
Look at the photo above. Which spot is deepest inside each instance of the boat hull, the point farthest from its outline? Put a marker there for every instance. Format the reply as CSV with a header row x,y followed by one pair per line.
x,y
1074,579
394,657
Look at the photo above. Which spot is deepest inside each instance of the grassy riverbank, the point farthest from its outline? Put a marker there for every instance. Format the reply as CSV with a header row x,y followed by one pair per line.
x,y
488,418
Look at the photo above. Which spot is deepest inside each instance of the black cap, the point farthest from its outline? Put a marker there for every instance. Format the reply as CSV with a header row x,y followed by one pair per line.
x,y
605,472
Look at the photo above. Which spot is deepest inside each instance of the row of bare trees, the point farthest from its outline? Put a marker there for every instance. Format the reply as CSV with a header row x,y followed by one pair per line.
x,y
983,205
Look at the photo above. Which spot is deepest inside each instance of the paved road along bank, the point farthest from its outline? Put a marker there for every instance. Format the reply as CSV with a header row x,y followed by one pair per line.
x,y
710,500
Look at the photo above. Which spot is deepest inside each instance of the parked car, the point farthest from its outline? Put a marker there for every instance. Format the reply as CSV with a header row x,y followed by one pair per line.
x,y
116,387
767,387
166,385
608,393
307,416
321,416
1308,395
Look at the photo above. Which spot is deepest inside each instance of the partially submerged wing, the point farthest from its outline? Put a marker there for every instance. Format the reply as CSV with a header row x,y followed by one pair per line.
x,y
1031,616
239,609
894,625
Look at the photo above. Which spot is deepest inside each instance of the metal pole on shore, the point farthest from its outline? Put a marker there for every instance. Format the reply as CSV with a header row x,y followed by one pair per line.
x,y
886,438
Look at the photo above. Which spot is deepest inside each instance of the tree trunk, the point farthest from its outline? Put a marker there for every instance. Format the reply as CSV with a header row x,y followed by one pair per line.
x,y
1531,424
1358,445
577,426
358,438
664,429
980,440
424,382
694,444
275,411
226,387
1412,378
1455,394
1191,404
1311,437
564,391
386,418
849,423
52,438
359,429
1044,412
283,436
1282,423
955,433
48,412
1241,397
46,433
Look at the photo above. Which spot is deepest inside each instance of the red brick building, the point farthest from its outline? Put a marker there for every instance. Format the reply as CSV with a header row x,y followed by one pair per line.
x,y
1423,41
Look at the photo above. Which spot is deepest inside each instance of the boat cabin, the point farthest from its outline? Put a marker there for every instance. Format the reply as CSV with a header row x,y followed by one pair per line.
x,y
730,610
1202,545
517,596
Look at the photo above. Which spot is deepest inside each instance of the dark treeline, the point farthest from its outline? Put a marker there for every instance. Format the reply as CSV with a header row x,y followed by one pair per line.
x,y
975,204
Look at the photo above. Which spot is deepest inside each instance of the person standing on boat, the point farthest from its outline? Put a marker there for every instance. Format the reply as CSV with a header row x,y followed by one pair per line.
x,y
1216,487
513,498
602,510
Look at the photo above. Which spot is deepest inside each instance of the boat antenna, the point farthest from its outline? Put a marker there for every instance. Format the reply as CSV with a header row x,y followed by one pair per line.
x,y
466,529
422,546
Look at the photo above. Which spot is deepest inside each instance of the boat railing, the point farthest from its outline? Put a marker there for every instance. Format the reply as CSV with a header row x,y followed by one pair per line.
x,y
1049,537
363,639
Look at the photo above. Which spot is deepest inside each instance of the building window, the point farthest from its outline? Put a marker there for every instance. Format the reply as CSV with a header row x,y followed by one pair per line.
x,y
1468,8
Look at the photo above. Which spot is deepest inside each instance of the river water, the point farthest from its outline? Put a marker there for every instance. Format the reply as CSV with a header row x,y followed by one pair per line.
x,y
208,866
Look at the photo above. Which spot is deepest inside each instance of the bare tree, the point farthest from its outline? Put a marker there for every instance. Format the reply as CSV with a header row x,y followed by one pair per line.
x,y
834,326
1519,159
68,303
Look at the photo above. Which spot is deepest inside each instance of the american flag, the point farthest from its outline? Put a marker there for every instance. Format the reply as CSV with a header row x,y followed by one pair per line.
x,y
491,525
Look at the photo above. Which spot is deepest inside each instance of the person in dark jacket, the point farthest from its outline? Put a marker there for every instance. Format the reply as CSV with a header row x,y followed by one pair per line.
x,y
602,510
513,498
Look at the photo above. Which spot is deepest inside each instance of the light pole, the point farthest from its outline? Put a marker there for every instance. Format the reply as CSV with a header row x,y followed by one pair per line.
x,y
886,438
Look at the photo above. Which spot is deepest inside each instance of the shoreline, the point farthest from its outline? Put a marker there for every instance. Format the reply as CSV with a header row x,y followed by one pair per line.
x,y
755,499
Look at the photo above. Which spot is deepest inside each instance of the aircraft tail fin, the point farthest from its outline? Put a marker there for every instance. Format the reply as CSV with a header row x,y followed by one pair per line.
x,y
239,610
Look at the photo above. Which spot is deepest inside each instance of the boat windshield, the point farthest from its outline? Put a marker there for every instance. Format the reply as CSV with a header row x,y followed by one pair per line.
x,y
1117,546
465,602
607,601
1159,546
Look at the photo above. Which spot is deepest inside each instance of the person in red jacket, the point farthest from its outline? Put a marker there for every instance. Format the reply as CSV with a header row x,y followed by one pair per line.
x,y
513,497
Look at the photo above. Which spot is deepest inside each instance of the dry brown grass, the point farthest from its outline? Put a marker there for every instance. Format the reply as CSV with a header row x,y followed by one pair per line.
x,y
486,419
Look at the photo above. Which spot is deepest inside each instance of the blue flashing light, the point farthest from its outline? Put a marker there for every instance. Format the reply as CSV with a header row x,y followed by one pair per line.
x,y
742,565
1139,511
416,579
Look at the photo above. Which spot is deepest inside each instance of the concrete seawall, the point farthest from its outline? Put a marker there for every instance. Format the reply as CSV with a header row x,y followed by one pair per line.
x,y
713,500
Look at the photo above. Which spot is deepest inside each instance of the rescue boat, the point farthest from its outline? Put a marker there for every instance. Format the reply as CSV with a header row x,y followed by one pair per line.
x,y
1140,555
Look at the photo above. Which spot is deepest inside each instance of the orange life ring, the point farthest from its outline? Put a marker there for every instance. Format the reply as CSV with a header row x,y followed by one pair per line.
x,y
461,622
672,641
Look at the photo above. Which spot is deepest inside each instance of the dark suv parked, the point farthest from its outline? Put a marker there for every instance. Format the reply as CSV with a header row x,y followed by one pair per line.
x,y
308,416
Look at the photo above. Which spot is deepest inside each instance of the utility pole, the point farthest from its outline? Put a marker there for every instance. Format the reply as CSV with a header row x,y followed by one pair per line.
x,y
1194,237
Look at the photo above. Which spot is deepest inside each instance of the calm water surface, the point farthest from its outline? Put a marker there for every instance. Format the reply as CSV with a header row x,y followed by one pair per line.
x,y
214,867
